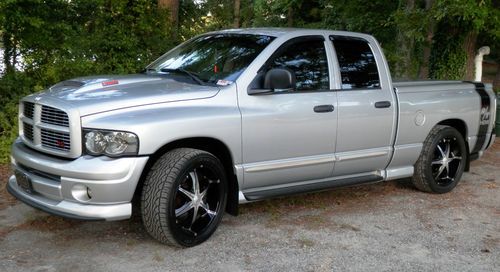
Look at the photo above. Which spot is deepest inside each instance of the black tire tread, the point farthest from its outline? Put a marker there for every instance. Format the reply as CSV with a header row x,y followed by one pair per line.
x,y
420,177
156,192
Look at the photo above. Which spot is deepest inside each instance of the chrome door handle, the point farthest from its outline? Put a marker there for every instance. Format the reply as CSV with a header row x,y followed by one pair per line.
x,y
323,108
382,104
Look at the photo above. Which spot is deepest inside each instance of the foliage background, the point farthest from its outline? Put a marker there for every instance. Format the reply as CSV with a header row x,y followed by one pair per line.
x,y
46,41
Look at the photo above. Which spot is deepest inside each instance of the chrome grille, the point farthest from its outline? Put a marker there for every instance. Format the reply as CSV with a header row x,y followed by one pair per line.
x,y
55,140
54,116
28,131
48,129
29,109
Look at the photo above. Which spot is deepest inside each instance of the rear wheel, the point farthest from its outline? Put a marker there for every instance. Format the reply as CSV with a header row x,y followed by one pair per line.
x,y
442,161
184,196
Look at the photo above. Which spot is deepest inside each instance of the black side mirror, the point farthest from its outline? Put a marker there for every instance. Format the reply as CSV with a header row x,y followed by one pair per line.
x,y
277,79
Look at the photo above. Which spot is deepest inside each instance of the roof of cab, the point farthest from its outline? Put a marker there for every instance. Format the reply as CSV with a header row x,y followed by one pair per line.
x,y
281,31
268,31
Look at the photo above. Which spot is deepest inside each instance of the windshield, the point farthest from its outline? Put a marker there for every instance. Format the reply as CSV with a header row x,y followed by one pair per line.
x,y
216,58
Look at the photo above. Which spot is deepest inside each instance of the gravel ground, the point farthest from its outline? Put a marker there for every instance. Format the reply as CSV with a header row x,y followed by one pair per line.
x,y
381,227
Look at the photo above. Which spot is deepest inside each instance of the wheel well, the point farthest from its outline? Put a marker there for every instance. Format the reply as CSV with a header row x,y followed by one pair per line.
x,y
458,125
211,145
462,128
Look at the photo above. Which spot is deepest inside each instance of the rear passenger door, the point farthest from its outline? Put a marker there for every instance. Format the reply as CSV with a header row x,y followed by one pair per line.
x,y
366,110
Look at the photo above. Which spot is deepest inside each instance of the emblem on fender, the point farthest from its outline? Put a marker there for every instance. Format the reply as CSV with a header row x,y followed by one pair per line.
x,y
485,116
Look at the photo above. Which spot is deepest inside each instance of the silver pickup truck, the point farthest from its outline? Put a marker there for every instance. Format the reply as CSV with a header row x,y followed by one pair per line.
x,y
241,115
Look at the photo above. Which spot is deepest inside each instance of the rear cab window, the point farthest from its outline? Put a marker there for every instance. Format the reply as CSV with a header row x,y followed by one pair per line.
x,y
358,68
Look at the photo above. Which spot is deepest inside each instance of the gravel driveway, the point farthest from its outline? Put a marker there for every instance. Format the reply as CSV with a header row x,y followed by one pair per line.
x,y
381,227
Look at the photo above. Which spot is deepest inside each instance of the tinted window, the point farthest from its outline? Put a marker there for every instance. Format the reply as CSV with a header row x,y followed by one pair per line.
x,y
358,68
307,58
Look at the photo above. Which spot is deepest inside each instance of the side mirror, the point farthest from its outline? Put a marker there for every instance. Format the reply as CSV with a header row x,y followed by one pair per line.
x,y
277,79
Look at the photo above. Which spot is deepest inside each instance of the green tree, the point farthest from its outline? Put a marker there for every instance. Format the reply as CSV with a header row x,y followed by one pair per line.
x,y
61,39
459,23
172,6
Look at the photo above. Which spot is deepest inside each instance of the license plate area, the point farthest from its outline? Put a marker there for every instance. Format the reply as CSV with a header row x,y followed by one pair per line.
x,y
23,181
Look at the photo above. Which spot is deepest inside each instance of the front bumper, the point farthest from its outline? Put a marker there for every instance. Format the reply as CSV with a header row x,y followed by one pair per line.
x,y
57,184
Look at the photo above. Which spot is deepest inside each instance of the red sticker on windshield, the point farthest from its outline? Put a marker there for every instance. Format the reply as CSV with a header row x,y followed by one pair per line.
x,y
111,82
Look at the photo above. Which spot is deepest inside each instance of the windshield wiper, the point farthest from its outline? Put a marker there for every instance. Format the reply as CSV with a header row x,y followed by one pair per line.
x,y
182,71
147,70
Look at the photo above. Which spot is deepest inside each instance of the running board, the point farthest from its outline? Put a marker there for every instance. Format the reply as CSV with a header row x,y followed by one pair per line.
x,y
311,187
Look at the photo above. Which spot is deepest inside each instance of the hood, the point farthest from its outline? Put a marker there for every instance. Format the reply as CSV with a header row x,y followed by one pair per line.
x,y
96,94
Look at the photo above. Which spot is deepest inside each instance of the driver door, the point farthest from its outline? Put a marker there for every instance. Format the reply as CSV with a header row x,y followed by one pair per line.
x,y
288,136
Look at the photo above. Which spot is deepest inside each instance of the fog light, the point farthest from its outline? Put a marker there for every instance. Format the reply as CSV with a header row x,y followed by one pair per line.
x,y
81,193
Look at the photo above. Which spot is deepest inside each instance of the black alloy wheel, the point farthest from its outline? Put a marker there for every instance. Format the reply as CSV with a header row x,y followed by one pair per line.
x,y
184,197
441,162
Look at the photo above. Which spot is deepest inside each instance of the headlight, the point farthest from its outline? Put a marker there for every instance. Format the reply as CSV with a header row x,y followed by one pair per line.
x,y
110,143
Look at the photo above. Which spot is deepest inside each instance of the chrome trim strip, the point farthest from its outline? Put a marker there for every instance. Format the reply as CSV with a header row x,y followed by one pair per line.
x,y
361,155
288,163
417,145
53,127
25,119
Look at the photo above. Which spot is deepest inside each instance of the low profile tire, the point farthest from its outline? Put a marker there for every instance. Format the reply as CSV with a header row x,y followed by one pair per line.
x,y
441,162
184,197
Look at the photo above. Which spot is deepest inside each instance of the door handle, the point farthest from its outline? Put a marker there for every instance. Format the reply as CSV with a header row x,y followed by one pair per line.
x,y
323,108
382,104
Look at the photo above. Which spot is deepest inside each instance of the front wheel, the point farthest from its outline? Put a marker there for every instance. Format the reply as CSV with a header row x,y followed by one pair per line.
x,y
184,197
442,161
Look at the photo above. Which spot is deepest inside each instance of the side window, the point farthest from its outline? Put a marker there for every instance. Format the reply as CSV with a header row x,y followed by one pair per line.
x,y
358,68
307,58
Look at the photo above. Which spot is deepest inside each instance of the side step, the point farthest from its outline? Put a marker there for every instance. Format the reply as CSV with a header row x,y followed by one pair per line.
x,y
311,187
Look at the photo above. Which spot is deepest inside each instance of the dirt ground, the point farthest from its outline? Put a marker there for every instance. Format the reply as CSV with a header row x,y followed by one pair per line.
x,y
381,227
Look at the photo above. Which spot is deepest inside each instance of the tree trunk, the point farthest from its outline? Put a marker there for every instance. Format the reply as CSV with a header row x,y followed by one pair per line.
x,y
470,49
424,67
236,23
290,16
173,7
403,67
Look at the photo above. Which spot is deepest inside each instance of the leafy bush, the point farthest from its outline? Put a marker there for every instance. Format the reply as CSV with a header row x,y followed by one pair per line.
x,y
13,86
62,39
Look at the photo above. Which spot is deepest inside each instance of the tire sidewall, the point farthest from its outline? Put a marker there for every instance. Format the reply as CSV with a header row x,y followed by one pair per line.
x,y
180,236
434,186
